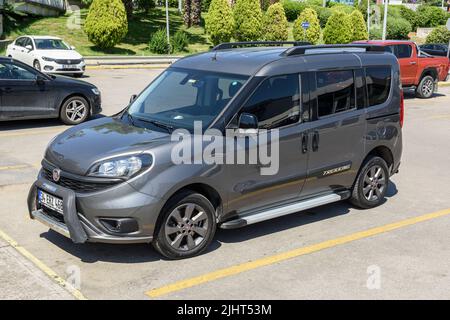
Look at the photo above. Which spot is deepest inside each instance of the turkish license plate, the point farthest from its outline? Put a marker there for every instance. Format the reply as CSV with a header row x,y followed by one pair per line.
x,y
49,201
69,66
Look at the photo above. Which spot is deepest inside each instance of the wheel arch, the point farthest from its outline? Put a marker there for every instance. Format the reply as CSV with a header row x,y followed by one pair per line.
x,y
429,72
383,152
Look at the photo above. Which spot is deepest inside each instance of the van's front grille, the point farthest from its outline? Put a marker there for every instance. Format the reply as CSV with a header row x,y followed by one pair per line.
x,y
78,185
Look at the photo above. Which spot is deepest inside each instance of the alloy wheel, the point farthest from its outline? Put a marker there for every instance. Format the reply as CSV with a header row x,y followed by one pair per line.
x,y
76,110
186,227
374,183
428,87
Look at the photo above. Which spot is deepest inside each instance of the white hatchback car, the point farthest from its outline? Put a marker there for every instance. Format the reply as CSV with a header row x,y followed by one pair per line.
x,y
47,54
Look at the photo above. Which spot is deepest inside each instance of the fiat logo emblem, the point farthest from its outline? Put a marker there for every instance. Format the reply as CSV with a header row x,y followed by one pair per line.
x,y
56,175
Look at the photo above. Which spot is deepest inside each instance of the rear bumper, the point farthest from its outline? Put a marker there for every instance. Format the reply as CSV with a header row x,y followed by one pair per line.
x,y
81,227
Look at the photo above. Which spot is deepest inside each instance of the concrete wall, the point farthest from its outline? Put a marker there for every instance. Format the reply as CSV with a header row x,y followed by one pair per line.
x,y
44,8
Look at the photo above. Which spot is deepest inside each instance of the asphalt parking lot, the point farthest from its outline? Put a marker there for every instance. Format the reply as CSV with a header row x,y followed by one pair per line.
x,y
400,250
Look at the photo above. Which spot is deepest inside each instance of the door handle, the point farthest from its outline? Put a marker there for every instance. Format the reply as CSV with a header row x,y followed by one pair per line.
x,y
315,141
304,143
413,62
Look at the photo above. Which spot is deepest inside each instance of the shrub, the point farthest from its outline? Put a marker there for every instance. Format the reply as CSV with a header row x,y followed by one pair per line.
x,y
343,8
275,23
410,16
324,14
358,26
146,5
338,28
428,16
292,9
398,28
248,20
219,23
106,23
158,42
312,34
439,35
375,33
179,41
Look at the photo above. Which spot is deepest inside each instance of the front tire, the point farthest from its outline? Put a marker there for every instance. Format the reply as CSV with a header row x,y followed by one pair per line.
x,y
371,184
187,226
37,65
426,87
74,110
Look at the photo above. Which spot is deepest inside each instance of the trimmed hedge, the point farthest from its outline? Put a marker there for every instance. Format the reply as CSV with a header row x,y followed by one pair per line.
x,y
439,35
219,23
398,28
358,26
248,20
293,8
312,34
338,28
275,23
106,23
428,16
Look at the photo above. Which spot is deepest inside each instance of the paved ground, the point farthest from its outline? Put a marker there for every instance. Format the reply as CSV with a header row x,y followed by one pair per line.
x,y
315,254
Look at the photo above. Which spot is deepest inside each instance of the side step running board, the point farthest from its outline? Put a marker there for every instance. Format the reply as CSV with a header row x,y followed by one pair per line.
x,y
251,218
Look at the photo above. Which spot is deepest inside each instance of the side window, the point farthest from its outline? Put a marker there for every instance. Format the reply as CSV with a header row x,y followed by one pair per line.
x,y
403,51
378,80
335,92
20,42
359,84
276,102
28,42
15,72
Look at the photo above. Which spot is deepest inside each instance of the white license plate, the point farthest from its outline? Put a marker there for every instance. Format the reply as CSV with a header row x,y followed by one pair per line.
x,y
69,66
50,201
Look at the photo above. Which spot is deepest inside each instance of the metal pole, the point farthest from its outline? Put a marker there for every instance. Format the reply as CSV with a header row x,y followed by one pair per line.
x,y
324,4
167,22
180,6
386,4
368,19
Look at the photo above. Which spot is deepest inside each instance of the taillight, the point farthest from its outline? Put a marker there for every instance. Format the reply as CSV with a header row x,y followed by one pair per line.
x,y
402,108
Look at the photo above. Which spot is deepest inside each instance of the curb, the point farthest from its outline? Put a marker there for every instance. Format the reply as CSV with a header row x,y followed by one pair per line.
x,y
130,60
444,84
129,66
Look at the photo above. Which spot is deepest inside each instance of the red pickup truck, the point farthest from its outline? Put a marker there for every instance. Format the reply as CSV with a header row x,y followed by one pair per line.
x,y
418,70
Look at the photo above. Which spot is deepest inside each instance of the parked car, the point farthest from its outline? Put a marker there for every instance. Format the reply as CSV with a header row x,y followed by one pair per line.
x,y
419,72
26,93
47,54
338,112
435,49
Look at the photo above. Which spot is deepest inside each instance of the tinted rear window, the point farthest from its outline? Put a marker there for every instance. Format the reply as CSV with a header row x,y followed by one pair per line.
x,y
403,51
378,80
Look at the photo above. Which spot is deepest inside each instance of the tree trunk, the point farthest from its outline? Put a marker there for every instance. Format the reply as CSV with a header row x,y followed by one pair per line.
x,y
196,15
128,7
187,13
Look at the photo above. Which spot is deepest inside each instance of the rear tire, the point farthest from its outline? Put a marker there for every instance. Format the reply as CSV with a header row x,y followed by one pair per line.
x,y
187,226
74,110
371,184
426,87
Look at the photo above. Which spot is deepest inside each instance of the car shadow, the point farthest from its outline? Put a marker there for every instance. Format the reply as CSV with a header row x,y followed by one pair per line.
x,y
139,253
411,94
38,123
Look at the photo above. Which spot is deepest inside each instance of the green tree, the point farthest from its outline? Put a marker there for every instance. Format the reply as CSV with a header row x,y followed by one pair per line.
x,y
338,28
398,28
275,23
219,23
358,26
106,23
312,34
248,20
439,35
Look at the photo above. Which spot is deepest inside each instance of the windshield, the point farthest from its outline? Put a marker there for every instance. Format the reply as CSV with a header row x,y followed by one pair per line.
x,y
51,44
179,97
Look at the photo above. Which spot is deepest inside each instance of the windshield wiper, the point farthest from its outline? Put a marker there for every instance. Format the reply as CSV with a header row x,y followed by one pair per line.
x,y
157,124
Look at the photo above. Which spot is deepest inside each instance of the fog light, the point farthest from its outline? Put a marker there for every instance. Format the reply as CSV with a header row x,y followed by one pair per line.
x,y
120,225
48,68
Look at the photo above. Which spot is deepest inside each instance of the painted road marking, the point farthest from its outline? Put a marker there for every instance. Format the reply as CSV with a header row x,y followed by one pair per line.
x,y
20,167
234,270
43,267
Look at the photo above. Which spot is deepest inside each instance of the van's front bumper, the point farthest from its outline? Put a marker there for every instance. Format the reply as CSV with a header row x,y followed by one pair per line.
x,y
84,212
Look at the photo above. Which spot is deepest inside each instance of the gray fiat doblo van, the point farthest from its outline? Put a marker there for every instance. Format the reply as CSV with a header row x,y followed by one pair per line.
x,y
336,112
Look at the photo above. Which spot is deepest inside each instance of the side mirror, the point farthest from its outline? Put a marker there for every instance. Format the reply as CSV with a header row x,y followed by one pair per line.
x,y
133,97
40,80
29,48
248,121
72,47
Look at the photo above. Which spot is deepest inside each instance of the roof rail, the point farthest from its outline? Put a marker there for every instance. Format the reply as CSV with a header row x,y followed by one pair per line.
x,y
299,50
231,45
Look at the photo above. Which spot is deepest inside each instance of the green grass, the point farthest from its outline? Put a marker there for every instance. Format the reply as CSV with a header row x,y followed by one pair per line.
x,y
140,29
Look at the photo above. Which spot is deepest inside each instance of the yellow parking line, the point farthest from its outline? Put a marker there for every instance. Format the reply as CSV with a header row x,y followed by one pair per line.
x,y
234,270
43,267
441,116
17,167
29,132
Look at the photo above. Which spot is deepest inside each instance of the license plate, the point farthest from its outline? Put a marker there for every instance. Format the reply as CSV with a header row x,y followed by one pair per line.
x,y
50,201
69,66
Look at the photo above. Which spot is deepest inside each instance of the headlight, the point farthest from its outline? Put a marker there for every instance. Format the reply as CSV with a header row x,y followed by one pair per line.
x,y
48,59
122,167
96,91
